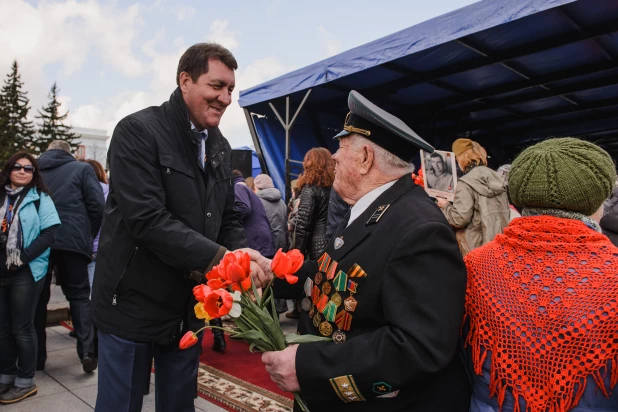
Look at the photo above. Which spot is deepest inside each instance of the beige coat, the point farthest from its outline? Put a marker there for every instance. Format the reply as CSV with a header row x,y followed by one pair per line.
x,y
480,210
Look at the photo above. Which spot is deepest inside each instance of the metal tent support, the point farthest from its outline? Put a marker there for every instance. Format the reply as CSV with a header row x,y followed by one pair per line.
x,y
287,125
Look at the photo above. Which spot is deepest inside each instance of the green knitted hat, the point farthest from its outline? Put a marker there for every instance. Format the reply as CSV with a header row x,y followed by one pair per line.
x,y
565,173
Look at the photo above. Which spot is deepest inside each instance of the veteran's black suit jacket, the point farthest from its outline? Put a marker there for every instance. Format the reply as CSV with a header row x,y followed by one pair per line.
x,y
405,330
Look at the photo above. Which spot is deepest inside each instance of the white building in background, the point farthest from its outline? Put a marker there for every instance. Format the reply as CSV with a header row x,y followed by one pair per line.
x,y
93,144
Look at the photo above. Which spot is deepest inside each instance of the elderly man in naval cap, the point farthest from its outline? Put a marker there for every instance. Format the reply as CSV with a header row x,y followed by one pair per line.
x,y
389,289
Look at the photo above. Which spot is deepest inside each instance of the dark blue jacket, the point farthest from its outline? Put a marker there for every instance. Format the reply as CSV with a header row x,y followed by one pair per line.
x,y
591,401
78,197
254,220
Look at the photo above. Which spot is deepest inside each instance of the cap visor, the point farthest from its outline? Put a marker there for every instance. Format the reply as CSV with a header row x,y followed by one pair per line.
x,y
341,134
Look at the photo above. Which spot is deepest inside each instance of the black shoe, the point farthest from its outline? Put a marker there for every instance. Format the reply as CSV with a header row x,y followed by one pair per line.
x,y
89,362
73,334
218,336
16,394
5,387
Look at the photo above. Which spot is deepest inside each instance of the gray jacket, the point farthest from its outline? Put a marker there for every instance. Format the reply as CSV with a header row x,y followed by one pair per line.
x,y
276,213
480,210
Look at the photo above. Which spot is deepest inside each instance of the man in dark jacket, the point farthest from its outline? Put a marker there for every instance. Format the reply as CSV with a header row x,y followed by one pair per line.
x,y
79,200
337,209
389,289
169,219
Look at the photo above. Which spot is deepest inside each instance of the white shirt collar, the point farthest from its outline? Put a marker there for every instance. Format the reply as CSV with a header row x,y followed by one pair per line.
x,y
205,131
365,201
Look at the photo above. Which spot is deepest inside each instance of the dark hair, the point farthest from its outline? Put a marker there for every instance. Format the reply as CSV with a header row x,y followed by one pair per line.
x,y
37,180
195,60
319,168
237,173
98,170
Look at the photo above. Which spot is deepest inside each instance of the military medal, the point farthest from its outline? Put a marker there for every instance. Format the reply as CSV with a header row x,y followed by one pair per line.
x,y
332,269
308,286
315,295
318,278
350,304
336,299
338,242
322,303
323,262
356,272
341,281
339,336
306,304
316,320
344,320
326,288
329,312
312,311
326,328
352,286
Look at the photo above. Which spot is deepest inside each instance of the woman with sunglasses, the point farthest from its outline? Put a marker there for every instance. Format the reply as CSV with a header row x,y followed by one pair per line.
x,y
29,222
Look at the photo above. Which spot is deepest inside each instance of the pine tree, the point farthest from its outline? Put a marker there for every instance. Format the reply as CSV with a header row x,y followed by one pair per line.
x,y
52,125
15,129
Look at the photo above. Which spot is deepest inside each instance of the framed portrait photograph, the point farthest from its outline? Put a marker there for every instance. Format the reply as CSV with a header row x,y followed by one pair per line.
x,y
439,174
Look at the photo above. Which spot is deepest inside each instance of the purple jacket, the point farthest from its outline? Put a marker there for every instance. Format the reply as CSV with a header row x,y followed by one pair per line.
x,y
254,220
95,242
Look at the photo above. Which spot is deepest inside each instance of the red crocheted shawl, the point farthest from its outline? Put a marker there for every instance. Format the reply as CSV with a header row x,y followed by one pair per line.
x,y
543,298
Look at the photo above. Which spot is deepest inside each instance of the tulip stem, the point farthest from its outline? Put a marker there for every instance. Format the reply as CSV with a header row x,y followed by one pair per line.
x,y
230,331
266,289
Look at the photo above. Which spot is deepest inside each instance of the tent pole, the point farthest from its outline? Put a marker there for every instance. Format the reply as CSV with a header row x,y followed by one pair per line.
x,y
256,141
287,126
288,181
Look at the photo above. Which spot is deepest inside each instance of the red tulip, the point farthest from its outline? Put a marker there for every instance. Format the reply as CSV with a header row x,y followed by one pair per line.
x,y
188,340
234,270
284,265
201,291
218,303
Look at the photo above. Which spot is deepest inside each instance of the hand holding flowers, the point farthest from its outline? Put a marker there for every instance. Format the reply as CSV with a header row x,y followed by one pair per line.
x,y
231,289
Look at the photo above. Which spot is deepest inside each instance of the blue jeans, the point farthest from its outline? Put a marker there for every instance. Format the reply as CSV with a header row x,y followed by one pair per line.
x,y
19,294
124,371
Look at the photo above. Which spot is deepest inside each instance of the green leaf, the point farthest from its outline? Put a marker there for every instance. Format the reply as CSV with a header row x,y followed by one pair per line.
x,y
273,310
293,338
256,337
258,299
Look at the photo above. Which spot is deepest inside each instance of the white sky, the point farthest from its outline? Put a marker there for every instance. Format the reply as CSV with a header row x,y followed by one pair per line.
x,y
112,58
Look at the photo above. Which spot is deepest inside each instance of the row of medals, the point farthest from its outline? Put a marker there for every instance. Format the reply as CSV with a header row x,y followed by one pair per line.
x,y
325,328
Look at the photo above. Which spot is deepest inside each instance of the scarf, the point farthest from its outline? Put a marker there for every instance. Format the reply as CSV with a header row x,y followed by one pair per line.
x,y
15,240
564,214
542,298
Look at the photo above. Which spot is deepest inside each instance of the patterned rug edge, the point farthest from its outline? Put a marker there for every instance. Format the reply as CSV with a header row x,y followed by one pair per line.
x,y
261,397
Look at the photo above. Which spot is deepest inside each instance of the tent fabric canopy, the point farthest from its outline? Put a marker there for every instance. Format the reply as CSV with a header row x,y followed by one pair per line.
x,y
505,73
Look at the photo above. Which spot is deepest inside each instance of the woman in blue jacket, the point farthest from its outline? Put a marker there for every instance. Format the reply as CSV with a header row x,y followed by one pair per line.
x,y
29,223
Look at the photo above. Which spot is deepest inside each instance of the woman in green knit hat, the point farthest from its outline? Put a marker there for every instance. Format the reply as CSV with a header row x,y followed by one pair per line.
x,y
541,304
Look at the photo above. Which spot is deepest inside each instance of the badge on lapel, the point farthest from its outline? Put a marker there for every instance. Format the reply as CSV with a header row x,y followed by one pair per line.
x,y
375,217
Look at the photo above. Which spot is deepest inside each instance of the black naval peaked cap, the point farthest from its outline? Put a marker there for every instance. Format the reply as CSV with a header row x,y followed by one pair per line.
x,y
382,128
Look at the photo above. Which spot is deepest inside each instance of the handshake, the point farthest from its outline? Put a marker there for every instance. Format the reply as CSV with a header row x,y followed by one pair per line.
x,y
261,271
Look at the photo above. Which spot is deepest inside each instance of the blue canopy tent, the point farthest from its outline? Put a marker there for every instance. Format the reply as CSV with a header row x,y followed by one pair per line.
x,y
504,73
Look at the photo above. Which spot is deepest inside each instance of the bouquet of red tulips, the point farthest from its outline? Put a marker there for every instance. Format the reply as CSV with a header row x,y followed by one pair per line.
x,y
231,291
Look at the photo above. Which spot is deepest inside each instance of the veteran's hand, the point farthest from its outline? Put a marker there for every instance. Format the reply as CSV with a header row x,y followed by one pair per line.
x,y
442,202
264,275
282,368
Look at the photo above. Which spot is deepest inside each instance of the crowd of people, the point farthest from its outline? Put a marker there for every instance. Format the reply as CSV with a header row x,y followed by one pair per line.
x,y
502,300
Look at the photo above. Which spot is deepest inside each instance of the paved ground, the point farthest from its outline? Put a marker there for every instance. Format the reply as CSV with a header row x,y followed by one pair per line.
x,y
64,387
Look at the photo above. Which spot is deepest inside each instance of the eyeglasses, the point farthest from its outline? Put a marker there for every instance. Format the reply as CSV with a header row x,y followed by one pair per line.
x,y
28,168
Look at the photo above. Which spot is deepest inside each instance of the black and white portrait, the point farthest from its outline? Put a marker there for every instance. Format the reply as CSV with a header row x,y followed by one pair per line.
x,y
438,171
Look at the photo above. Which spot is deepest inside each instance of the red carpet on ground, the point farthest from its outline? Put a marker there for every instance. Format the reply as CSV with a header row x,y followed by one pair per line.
x,y
239,362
